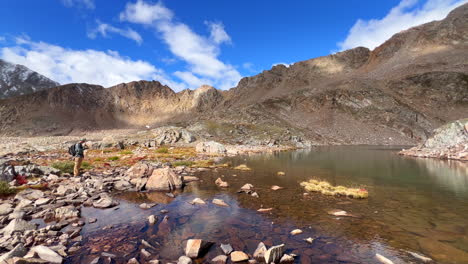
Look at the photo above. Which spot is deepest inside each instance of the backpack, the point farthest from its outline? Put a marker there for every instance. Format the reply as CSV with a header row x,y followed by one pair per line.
x,y
72,150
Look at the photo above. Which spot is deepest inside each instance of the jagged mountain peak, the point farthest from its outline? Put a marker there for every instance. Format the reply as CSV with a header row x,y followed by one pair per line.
x,y
16,79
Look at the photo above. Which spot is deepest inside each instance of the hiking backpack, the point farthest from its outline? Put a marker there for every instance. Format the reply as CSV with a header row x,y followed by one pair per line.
x,y
72,150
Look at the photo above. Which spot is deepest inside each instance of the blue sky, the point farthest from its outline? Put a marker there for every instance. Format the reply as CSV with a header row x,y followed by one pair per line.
x,y
188,43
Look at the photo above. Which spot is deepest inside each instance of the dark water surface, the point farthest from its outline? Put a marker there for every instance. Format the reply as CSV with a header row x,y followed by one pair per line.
x,y
418,205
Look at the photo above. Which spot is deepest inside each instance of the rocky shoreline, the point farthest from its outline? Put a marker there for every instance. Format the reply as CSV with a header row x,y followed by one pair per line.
x,y
448,142
56,197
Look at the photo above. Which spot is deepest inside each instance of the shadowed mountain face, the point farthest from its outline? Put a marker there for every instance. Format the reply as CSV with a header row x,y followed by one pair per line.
x,y
395,94
18,80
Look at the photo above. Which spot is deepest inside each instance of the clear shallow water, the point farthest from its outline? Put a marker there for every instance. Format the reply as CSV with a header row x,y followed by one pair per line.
x,y
419,205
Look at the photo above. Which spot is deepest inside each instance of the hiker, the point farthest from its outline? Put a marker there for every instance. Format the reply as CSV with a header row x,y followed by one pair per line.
x,y
78,156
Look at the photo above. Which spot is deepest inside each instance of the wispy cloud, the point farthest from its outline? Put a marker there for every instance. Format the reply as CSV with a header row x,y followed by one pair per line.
x,y
199,52
90,66
79,3
281,63
371,33
217,33
104,30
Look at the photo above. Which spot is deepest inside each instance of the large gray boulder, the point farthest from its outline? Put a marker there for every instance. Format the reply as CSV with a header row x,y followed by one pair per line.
x,y
17,225
164,179
210,147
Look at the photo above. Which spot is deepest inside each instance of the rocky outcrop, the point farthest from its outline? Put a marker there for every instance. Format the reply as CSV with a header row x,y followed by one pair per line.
x,y
210,147
447,142
171,135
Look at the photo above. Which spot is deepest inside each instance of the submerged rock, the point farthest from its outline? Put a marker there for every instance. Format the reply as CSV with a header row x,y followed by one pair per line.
x,y
220,183
221,259
383,259
105,201
276,187
296,232
220,202
197,201
420,257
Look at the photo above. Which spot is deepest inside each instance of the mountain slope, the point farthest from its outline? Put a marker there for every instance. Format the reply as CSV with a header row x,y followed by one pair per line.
x,y
17,80
395,94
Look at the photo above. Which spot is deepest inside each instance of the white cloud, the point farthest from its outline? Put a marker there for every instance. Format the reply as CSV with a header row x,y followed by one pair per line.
x,y
217,33
145,13
199,52
2,39
104,29
406,14
85,3
191,80
90,66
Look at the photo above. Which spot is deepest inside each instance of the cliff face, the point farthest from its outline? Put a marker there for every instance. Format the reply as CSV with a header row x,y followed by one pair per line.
x,y
395,94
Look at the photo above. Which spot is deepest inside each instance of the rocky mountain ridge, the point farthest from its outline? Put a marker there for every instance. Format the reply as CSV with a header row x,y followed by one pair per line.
x,y
395,94
17,80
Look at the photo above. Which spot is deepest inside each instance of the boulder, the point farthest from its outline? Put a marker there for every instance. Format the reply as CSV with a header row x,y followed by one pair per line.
x,y
105,201
220,183
46,253
30,194
5,208
184,260
7,171
221,259
139,170
171,135
226,248
259,253
66,212
286,259
17,225
196,248
122,185
274,254
239,256
197,201
210,147
65,189
18,251
164,179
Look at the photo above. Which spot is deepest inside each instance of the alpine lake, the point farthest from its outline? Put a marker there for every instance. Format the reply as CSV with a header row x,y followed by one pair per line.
x,y
414,205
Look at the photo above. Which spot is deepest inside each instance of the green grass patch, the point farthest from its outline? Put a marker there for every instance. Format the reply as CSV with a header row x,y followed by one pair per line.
x,y
182,163
107,151
98,159
113,158
86,165
64,166
5,188
162,150
126,152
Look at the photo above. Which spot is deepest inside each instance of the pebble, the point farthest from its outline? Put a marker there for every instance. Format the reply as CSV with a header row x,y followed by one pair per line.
x,y
296,232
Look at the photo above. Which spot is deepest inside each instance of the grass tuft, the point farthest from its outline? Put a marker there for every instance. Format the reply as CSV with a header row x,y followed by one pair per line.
x,y
162,150
5,188
242,167
326,188
126,152
186,163
113,158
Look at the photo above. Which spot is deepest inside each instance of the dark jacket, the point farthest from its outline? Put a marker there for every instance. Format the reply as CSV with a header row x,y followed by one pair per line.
x,y
79,149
